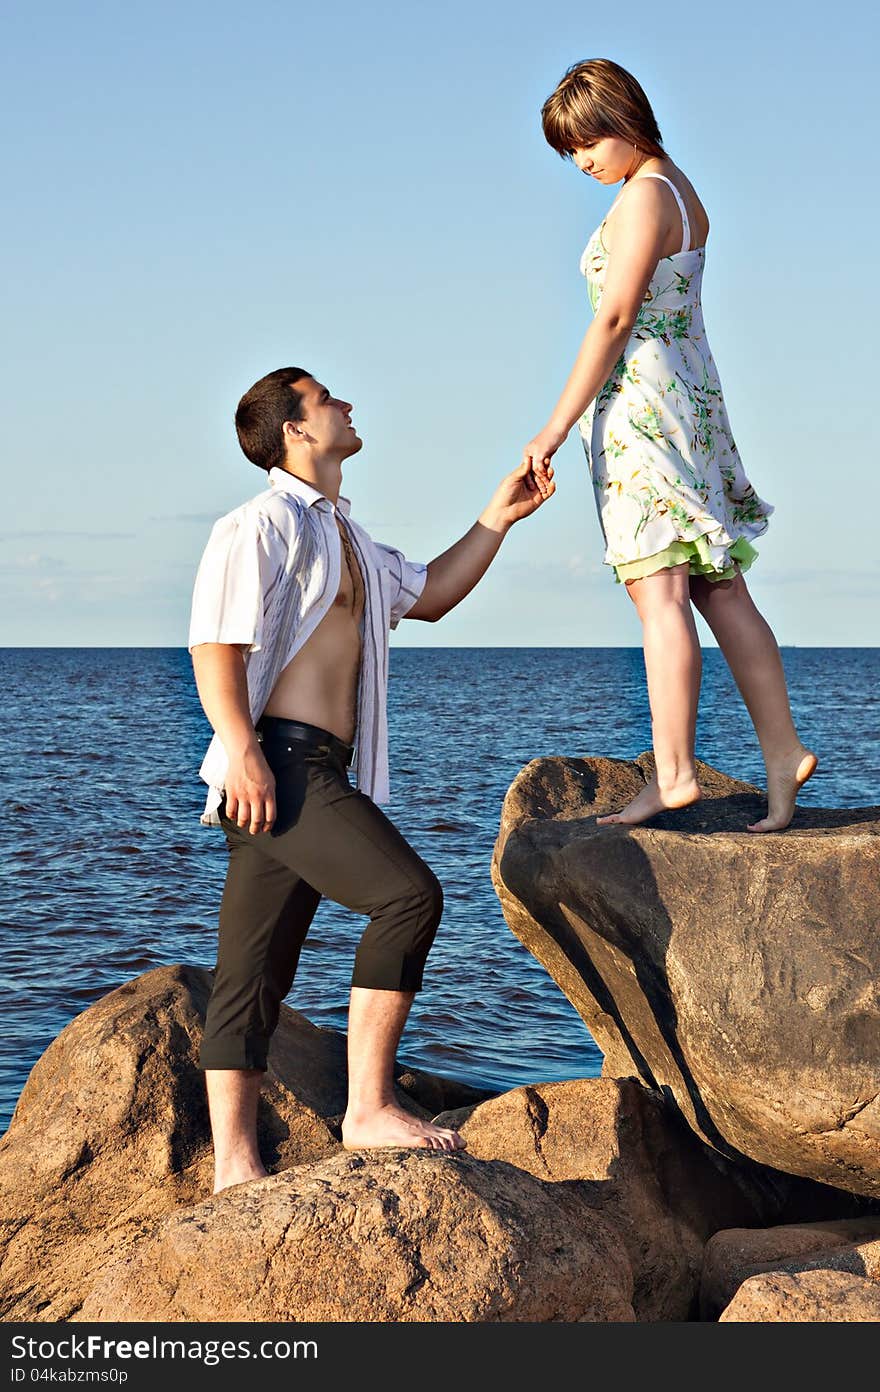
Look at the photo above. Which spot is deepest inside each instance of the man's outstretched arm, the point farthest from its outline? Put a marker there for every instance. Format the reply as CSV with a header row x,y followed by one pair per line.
x,y
455,573
222,685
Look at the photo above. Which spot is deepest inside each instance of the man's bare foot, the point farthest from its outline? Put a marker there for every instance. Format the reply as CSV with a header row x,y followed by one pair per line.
x,y
392,1126
652,799
785,777
241,1173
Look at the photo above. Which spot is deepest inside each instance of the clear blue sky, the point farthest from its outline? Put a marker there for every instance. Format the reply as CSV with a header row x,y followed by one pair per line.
x,y
198,193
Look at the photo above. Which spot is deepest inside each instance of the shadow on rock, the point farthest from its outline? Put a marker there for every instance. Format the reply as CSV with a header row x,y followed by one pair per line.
x,y
736,974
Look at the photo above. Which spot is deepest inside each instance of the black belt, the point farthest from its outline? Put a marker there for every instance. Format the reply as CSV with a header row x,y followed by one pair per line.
x,y
312,735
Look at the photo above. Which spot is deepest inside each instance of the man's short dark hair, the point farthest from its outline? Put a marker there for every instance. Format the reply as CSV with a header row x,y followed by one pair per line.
x,y
262,411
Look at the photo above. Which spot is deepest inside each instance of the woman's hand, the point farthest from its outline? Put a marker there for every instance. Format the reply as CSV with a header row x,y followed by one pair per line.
x,y
539,451
517,496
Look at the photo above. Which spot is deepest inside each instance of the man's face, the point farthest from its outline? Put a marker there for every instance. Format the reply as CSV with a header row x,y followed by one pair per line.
x,y
327,420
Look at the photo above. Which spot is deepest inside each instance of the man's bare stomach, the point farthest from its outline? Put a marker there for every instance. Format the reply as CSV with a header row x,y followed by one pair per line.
x,y
319,685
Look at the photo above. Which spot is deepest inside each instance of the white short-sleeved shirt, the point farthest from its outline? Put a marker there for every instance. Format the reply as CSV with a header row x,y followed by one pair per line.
x,y
267,577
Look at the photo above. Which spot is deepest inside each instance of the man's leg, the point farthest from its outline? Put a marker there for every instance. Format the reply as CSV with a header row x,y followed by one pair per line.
x,y
233,1096
343,844
373,1116
264,917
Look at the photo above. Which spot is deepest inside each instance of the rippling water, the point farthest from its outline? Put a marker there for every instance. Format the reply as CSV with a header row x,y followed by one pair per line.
x,y
108,872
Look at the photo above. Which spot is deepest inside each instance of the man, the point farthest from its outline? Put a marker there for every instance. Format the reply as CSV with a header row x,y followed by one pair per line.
x,y
291,611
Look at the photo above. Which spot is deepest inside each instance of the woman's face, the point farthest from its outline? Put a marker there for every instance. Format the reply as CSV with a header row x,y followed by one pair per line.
x,y
608,161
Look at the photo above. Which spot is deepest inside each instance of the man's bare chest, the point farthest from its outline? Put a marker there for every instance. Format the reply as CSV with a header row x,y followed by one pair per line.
x,y
350,597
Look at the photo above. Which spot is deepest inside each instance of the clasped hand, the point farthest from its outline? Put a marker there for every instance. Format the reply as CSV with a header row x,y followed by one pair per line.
x,y
540,450
518,495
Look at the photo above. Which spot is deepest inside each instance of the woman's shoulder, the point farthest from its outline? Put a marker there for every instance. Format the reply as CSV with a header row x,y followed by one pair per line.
x,y
638,195
658,196
641,203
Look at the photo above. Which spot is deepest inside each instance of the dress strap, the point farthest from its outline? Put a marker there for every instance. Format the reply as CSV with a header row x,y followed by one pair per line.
x,y
613,206
685,224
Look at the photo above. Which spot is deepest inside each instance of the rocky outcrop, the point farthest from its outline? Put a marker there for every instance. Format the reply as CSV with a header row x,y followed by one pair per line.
x,y
811,1297
111,1131
737,974
403,1236
735,1255
663,1189
645,1171
587,1200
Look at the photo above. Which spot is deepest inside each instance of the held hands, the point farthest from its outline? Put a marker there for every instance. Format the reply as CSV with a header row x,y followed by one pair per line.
x,y
250,791
539,451
518,495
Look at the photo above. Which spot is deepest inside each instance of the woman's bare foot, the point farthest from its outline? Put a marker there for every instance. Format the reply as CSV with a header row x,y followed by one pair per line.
x,y
652,799
392,1126
241,1173
785,777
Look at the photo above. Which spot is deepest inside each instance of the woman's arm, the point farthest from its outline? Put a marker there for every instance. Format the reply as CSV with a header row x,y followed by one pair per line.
x,y
641,225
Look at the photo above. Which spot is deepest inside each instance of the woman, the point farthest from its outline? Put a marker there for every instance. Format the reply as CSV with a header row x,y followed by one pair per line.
x,y
677,511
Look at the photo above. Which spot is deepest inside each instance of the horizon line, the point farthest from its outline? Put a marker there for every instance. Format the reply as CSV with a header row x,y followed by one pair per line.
x,y
435,647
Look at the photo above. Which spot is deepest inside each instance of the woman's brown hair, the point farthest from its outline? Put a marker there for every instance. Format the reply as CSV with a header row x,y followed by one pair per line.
x,y
595,99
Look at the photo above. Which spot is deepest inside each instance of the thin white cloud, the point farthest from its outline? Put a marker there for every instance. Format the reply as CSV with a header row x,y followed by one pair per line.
x,y
576,567
67,536
34,561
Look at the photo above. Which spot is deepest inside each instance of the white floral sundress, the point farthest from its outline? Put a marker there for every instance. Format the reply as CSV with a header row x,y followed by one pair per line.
x,y
666,471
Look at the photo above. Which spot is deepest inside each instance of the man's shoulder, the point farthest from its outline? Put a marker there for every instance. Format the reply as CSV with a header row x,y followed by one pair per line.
x,y
283,511
280,511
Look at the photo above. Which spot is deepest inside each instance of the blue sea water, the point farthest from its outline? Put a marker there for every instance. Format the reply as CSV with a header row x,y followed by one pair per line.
x,y
108,872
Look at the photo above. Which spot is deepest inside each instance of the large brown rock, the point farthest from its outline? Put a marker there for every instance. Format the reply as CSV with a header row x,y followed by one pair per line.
x,y
646,1172
737,973
810,1297
111,1130
397,1236
734,1255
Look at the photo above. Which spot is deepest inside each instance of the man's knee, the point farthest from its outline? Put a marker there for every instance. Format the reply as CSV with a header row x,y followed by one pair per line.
x,y
396,943
420,909
432,898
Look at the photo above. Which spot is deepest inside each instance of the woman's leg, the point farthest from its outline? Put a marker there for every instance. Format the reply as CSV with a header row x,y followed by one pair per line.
x,y
673,665
746,640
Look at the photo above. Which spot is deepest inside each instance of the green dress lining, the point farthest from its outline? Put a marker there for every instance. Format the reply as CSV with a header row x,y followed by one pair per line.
x,y
696,553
